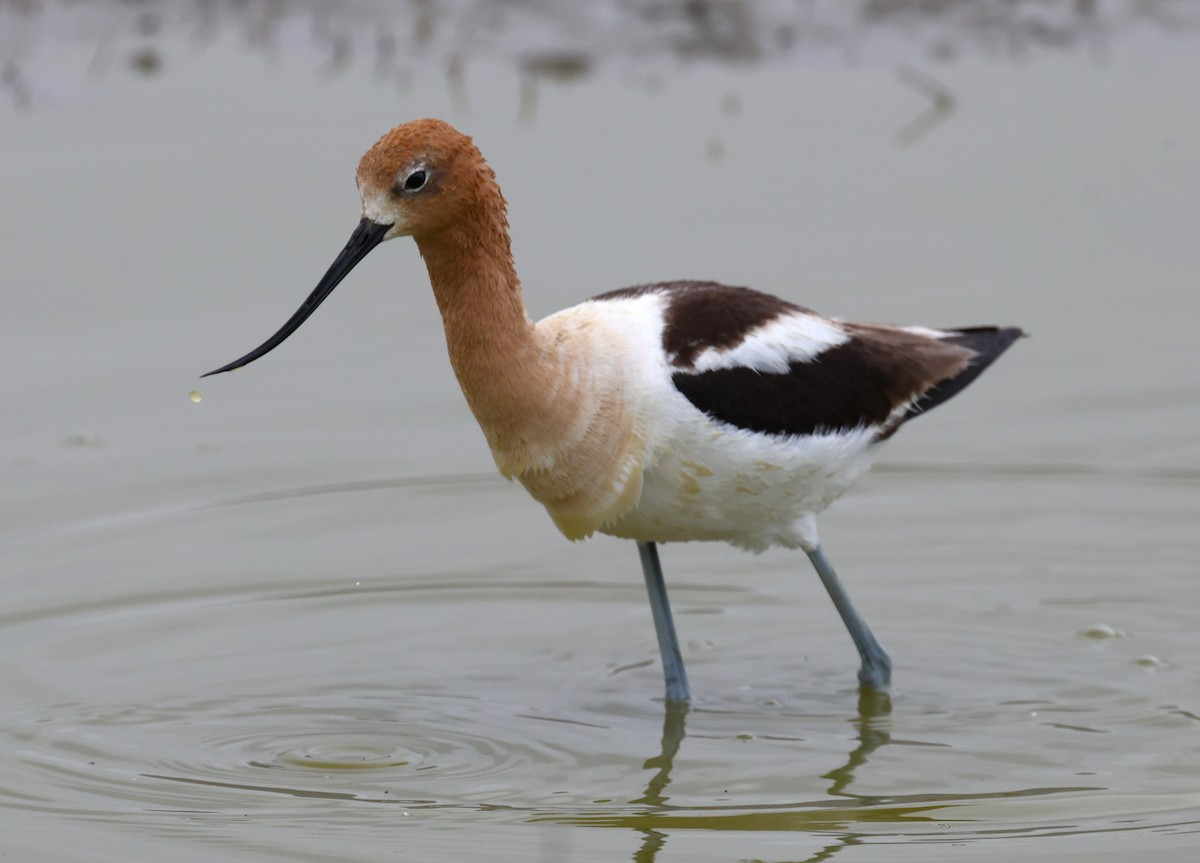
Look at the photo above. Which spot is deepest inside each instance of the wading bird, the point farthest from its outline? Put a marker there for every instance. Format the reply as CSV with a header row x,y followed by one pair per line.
x,y
660,413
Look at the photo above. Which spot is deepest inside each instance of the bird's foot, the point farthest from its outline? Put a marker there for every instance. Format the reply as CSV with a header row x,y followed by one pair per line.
x,y
876,672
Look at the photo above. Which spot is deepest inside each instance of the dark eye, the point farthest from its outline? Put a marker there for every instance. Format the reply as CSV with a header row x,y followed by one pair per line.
x,y
415,181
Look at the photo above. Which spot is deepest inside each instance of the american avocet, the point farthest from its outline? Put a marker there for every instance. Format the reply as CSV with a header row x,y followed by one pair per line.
x,y
660,413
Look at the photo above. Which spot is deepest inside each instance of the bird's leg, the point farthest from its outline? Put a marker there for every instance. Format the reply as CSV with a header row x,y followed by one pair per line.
x,y
876,670
664,626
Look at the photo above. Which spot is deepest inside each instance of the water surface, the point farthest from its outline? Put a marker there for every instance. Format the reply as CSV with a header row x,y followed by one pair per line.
x,y
301,619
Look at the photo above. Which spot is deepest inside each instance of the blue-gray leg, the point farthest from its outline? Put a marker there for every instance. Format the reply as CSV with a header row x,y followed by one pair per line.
x,y
876,670
664,626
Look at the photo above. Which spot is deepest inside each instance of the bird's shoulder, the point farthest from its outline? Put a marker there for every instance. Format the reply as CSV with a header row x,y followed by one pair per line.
x,y
704,317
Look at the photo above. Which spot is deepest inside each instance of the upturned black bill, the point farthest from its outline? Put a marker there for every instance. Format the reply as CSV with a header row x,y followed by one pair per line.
x,y
366,236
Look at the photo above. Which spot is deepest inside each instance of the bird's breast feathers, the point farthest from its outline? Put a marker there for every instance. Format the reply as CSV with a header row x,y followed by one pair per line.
x,y
640,458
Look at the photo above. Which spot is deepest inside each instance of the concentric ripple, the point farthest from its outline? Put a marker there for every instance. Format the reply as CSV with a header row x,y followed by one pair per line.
x,y
351,753
227,700
230,755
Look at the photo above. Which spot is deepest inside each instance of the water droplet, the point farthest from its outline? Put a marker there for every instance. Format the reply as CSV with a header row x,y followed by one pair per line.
x,y
1101,631
1150,663
195,396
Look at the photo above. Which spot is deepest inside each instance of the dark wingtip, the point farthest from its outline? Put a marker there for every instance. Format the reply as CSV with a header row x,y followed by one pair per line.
x,y
988,343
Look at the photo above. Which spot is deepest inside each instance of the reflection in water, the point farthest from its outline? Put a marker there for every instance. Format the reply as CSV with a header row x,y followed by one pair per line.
x,y
655,798
837,816
941,105
872,732
556,41
13,80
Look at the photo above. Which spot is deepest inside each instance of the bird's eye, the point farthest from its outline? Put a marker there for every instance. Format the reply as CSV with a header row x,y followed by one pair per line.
x,y
415,181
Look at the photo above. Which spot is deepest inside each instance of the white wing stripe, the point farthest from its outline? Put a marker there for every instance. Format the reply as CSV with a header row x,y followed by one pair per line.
x,y
773,347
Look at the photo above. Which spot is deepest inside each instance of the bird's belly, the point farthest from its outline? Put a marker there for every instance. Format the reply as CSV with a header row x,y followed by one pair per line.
x,y
718,482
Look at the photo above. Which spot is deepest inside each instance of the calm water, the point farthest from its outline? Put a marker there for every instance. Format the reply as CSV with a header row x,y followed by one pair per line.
x,y
303,620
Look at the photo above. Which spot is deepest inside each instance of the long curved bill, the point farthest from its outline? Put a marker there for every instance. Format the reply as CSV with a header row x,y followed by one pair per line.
x,y
366,236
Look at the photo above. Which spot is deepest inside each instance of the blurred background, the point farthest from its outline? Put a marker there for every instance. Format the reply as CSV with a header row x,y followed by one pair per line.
x,y
292,613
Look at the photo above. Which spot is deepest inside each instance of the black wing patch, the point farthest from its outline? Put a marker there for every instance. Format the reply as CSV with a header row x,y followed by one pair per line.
x,y
862,382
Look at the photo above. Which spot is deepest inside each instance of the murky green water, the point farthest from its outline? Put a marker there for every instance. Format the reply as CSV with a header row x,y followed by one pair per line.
x,y
300,619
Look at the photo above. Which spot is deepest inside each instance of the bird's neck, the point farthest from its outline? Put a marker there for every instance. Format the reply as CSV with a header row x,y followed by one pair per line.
x,y
506,374
548,414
